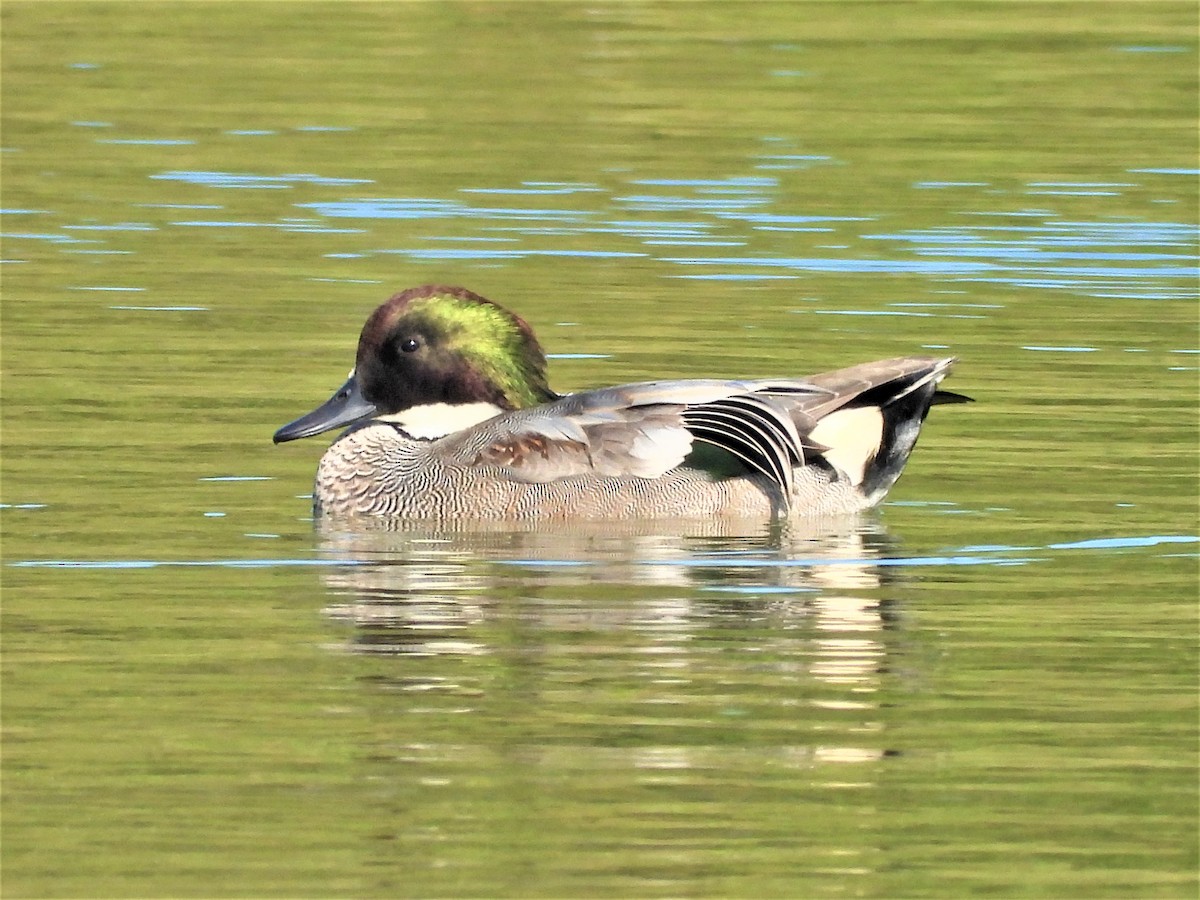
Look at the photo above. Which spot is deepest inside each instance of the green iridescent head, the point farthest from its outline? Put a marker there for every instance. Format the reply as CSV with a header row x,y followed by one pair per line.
x,y
438,344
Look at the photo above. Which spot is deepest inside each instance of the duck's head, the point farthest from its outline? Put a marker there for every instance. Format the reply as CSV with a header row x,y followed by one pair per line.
x,y
434,344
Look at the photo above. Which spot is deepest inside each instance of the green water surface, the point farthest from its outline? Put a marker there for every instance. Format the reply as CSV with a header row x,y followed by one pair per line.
x,y
989,688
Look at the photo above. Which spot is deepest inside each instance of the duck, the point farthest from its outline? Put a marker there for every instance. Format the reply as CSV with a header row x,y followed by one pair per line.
x,y
448,415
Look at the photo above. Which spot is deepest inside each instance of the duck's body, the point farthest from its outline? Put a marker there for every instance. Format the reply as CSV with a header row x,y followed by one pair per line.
x,y
410,479
452,419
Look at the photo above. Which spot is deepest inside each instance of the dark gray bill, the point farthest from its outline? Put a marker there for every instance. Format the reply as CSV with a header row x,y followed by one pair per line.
x,y
344,408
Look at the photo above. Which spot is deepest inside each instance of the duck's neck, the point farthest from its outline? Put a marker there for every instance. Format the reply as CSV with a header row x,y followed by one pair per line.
x,y
431,421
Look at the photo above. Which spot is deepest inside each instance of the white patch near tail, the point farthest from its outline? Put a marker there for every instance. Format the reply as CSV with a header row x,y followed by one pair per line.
x,y
853,436
436,420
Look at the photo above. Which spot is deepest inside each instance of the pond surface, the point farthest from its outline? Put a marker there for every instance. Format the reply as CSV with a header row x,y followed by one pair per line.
x,y
987,687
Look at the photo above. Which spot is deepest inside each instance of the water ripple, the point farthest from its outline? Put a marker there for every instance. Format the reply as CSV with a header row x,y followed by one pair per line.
x,y
239,180
965,556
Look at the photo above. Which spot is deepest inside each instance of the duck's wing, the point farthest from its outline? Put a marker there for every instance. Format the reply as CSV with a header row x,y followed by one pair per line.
x,y
861,422
643,430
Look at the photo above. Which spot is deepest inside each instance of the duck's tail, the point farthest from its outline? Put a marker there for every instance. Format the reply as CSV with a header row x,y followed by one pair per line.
x,y
867,430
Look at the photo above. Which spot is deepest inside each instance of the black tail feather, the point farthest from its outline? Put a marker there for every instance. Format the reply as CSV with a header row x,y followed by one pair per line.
x,y
902,420
941,396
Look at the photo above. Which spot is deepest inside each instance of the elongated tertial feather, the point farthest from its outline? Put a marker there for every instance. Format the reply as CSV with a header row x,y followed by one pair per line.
x,y
755,431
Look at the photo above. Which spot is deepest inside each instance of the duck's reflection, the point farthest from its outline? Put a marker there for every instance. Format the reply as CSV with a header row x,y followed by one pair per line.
x,y
412,589
679,649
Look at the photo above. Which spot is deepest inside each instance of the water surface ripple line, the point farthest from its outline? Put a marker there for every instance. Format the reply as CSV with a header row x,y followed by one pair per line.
x,y
177,563
966,556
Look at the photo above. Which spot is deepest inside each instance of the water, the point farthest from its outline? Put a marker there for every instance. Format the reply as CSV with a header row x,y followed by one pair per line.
x,y
987,687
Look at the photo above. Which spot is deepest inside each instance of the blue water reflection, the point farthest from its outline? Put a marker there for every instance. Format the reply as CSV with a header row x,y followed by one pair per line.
x,y
1125,259
1020,248
236,180
846,549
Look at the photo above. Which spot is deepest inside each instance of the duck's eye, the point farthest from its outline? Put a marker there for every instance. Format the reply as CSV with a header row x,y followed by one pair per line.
x,y
410,345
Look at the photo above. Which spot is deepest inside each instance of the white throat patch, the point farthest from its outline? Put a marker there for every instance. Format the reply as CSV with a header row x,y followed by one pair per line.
x,y
436,420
